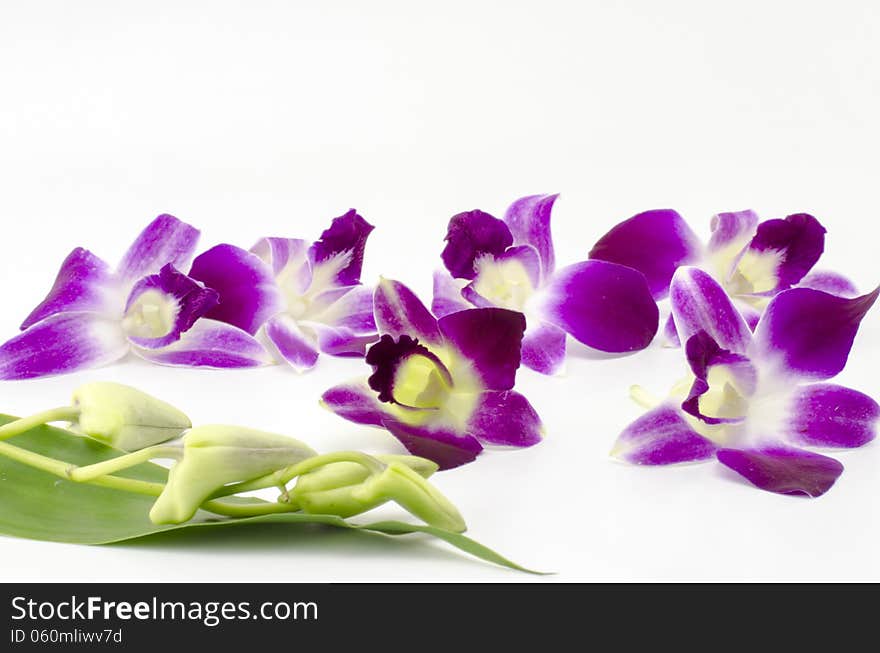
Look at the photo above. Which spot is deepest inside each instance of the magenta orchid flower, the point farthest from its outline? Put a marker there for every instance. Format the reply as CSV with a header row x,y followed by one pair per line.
x,y
301,298
753,401
93,315
441,387
753,261
510,264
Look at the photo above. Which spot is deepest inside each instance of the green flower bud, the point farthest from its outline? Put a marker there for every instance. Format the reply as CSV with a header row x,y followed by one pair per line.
x,y
399,482
124,417
329,489
214,456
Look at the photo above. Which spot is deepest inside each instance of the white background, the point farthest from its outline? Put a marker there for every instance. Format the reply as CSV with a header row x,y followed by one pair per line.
x,y
250,119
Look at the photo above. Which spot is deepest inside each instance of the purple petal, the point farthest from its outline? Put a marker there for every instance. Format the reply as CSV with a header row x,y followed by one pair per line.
x,y
340,341
355,402
278,253
782,470
83,283
732,230
445,447
529,221
830,282
187,300
292,344
506,418
387,358
471,235
799,239
661,437
491,339
349,307
341,248
670,333
211,344
703,354
700,304
828,415
654,242
447,295
165,240
749,313
603,305
399,312
248,293
65,342
809,332
543,347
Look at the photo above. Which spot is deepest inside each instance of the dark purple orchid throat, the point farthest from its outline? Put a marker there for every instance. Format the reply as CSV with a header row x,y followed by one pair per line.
x,y
407,373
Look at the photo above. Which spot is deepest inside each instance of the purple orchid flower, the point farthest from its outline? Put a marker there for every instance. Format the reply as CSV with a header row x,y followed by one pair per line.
x,y
752,260
304,298
441,387
93,316
754,400
510,264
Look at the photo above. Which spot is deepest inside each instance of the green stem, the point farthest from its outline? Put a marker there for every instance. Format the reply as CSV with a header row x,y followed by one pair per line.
x,y
247,510
62,470
63,414
284,476
123,462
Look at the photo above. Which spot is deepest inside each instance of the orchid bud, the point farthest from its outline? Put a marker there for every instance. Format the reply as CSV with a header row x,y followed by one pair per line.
x,y
124,417
214,456
329,489
399,482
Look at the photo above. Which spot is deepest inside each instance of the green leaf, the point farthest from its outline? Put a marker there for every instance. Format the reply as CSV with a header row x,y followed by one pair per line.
x,y
37,505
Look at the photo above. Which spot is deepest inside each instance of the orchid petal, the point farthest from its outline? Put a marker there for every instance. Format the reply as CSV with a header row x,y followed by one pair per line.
x,y
165,240
445,447
64,342
340,341
809,333
829,415
734,373
399,312
296,347
162,306
211,344
654,242
356,402
349,307
700,304
783,470
82,285
289,260
661,437
505,418
471,235
670,333
447,295
603,305
543,347
338,256
491,340
731,233
248,293
796,243
830,282
529,221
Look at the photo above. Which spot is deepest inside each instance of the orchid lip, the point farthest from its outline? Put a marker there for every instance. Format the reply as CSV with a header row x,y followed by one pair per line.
x,y
408,374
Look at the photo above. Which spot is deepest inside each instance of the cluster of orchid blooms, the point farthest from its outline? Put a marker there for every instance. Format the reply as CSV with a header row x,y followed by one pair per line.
x,y
760,330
